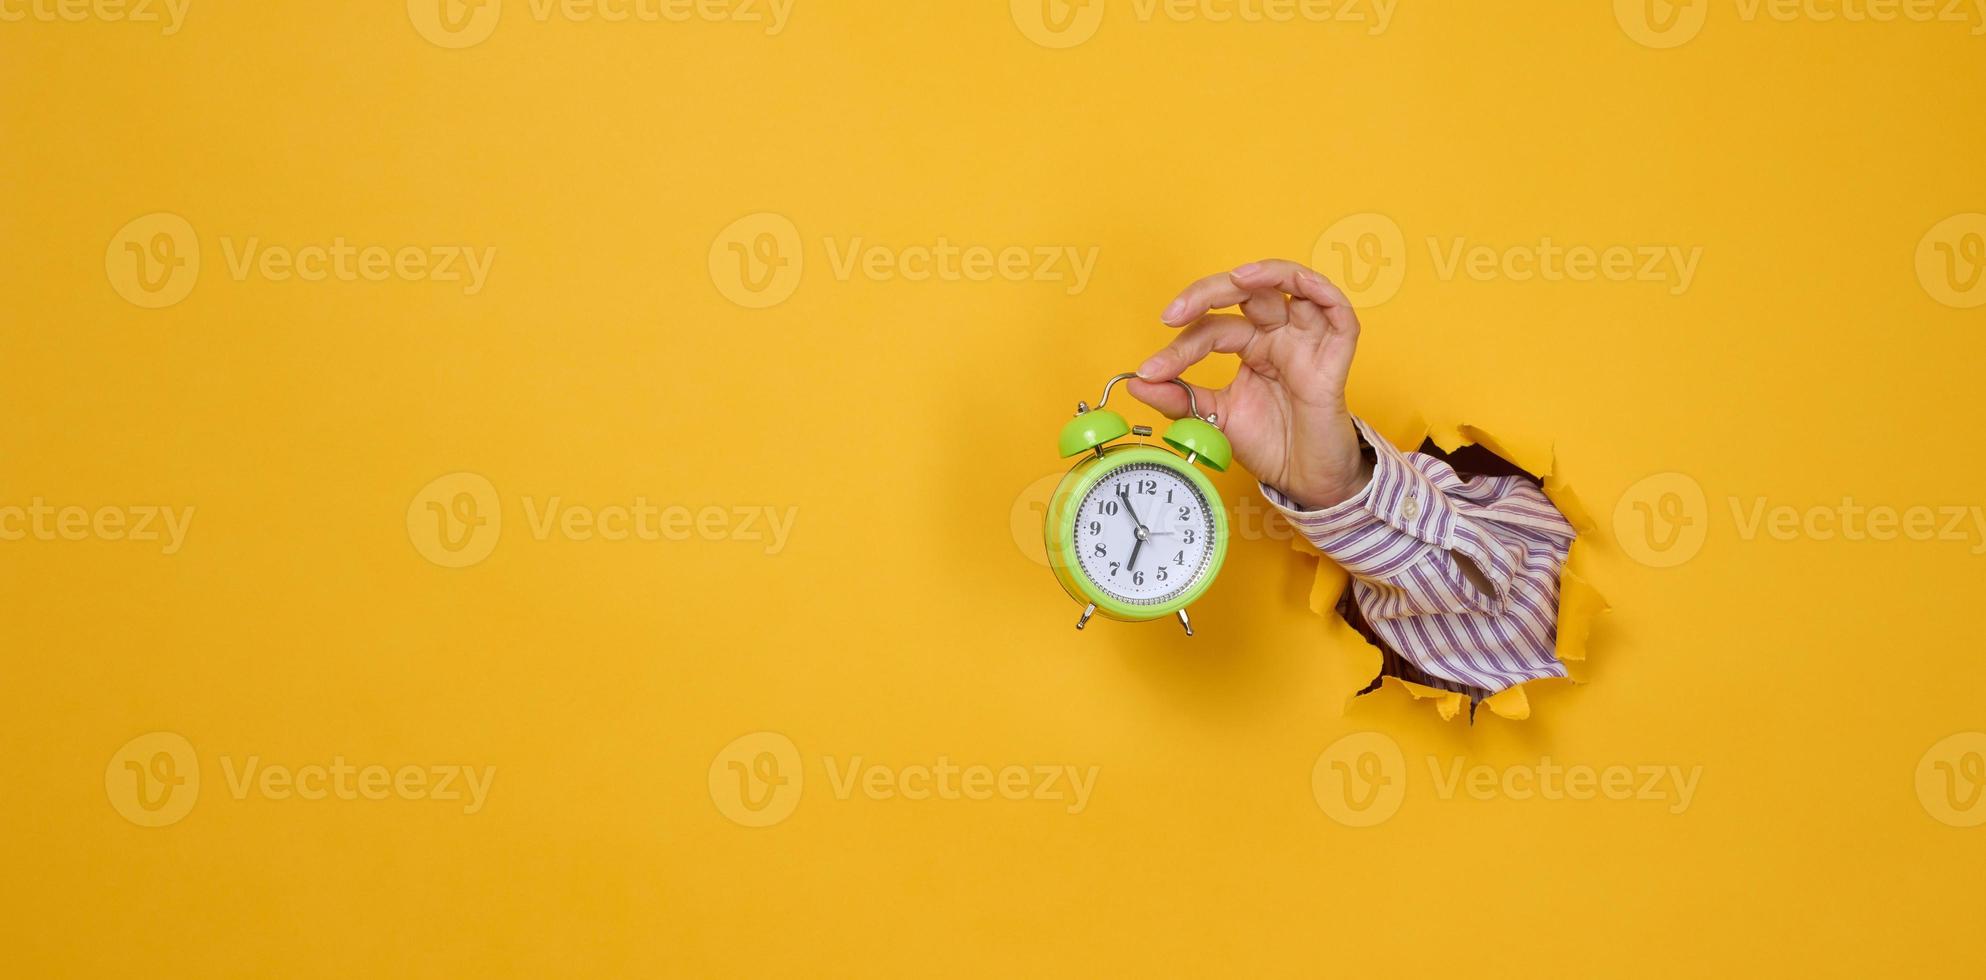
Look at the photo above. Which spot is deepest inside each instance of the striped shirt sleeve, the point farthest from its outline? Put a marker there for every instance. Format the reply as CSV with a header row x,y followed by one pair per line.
x,y
1402,539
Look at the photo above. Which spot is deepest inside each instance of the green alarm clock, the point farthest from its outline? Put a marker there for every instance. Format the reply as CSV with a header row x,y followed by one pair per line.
x,y
1136,531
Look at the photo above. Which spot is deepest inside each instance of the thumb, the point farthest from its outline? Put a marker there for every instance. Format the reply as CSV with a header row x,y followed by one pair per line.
x,y
1170,399
1161,367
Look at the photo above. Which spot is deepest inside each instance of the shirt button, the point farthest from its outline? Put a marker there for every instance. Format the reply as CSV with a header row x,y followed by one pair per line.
x,y
1412,508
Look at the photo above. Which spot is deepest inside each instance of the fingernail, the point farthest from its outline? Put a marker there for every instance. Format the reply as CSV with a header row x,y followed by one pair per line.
x,y
1152,366
1174,311
1248,269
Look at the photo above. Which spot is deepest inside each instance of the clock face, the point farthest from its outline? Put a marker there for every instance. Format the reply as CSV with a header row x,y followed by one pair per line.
x,y
1144,534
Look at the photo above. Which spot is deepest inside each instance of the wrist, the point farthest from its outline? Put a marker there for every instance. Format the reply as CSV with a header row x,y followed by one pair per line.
x,y
1325,495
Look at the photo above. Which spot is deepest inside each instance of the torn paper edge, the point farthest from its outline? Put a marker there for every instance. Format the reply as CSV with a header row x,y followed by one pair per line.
x,y
1579,603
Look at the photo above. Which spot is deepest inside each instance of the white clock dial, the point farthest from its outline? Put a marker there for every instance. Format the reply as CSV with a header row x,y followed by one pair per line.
x,y
1144,533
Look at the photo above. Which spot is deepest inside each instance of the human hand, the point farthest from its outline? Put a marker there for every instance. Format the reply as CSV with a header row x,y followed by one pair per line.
x,y
1285,411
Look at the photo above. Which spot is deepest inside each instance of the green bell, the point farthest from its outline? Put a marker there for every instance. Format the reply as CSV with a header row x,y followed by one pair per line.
x,y
1090,430
1200,439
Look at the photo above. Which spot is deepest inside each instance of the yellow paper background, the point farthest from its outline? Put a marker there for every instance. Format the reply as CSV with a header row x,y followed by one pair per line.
x,y
906,422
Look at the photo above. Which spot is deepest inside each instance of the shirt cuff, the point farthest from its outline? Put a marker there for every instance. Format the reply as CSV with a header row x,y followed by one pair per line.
x,y
1384,527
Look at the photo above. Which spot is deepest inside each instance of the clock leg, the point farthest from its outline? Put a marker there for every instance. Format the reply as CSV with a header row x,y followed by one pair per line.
x,y
1085,621
1183,621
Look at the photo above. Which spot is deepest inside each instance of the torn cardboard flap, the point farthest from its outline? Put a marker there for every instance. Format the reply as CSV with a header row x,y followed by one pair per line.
x,y
1579,602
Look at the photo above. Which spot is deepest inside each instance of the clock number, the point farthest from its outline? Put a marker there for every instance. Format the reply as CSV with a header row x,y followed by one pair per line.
x,y
1147,487
1180,558
1107,507
1161,573
1113,569
1137,578
1101,551
1185,514
1096,527
1188,534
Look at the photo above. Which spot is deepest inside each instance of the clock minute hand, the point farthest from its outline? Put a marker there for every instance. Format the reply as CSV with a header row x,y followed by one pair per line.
x,y
1131,564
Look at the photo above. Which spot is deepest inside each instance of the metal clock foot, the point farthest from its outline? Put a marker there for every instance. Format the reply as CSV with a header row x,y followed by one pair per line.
x,y
1183,621
1087,610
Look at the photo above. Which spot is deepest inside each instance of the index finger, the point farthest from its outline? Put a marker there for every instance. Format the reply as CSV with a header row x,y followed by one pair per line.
x,y
1230,288
1293,278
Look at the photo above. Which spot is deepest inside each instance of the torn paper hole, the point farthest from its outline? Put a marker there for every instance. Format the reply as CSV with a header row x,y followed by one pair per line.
x,y
1470,449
